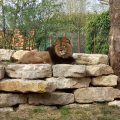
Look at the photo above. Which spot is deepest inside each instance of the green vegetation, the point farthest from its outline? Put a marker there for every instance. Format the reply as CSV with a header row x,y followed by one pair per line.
x,y
96,32
94,112
64,113
17,118
26,15
38,110
44,18
109,113
48,20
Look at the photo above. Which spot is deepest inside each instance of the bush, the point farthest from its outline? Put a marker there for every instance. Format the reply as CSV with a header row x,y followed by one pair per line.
x,y
96,33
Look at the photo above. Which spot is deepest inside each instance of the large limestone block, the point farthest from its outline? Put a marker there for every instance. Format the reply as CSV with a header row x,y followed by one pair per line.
x,y
66,70
10,99
29,71
66,83
2,72
19,85
95,94
6,54
98,70
55,98
90,59
110,80
18,54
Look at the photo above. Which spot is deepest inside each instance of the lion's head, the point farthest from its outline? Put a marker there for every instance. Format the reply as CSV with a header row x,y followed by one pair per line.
x,y
63,47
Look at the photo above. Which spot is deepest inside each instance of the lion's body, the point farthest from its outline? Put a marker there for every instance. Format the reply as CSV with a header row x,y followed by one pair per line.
x,y
34,57
58,53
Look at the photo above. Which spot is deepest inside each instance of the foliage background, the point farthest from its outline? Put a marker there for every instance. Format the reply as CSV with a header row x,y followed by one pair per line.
x,y
50,19
96,33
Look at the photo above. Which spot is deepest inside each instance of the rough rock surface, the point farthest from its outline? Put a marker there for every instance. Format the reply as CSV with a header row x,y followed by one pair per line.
x,y
77,106
95,94
32,107
110,80
67,70
55,98
65,83
29,71
19,85
90,59
6,109
10,99
2,72
6,54
97,70
114,103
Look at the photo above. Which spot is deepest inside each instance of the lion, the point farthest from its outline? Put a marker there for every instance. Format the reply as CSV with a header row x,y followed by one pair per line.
x,y
59,53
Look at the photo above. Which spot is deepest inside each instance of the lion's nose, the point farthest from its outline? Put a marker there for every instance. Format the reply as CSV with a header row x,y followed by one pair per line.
x,y
62,52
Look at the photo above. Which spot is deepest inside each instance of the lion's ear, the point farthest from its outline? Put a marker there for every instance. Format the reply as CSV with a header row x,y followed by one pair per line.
x,y
53,45
65,39
56,42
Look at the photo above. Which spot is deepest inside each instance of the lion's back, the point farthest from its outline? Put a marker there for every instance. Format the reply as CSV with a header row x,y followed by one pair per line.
x,y
34,57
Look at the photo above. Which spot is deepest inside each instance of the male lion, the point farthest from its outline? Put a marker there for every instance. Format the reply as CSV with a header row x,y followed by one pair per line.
x,y
59,53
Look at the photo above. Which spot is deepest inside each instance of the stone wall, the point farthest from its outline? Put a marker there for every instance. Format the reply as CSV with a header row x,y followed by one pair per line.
x,y
90,80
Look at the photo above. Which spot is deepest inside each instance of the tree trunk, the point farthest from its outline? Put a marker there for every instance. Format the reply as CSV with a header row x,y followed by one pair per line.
x,y
114,39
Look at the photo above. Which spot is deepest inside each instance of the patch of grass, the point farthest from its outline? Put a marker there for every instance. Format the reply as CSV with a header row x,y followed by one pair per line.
x,y
108,109
109,113
6,62
107,118
96,112
37,110
50,119
87,114
17,118
64,113
85,118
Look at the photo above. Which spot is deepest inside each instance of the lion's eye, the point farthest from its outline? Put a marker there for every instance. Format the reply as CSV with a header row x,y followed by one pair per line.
x,y
68,41
64,46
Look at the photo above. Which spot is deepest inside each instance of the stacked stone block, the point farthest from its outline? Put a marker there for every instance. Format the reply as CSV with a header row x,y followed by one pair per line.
x,y
90,80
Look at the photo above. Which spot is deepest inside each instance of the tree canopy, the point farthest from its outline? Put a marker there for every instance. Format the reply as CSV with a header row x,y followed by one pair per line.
x,y
46,18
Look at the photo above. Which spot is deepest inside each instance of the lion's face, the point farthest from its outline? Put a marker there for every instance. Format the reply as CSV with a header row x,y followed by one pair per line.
x,y
63,47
